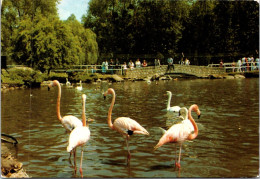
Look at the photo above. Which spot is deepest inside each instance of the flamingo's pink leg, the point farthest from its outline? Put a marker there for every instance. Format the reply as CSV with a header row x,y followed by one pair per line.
x,y
129,154
75,163
179,161
80,169
175,155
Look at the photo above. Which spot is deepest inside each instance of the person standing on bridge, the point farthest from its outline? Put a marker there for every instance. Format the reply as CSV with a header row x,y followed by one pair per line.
x,y
124,68
131,65
233,66
111,66
257,63
239,64
138,63
144,64
221,63
170,64
243,64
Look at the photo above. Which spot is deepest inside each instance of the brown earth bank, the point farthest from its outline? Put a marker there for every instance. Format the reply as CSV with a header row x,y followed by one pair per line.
x,y
10,167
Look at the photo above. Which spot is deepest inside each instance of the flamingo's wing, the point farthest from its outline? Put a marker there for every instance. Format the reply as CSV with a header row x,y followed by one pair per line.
x,y
175,109
177,133
78,136
70,122
128,126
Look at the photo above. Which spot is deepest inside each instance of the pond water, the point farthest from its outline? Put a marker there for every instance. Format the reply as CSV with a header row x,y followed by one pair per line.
x,y
227,144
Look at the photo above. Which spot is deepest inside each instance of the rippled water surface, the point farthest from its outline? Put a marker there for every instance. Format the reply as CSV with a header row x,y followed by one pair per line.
x,y
227,144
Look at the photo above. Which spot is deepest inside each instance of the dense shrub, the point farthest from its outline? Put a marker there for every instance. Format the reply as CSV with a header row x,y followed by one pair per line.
x,y
22,76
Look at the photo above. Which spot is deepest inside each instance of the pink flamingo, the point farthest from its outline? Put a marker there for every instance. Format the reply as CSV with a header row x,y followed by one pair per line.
x,y
124,125
79,136
68,122
180,132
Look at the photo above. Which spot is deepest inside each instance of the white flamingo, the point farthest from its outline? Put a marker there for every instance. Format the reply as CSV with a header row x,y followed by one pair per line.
x,y
173,108
79,137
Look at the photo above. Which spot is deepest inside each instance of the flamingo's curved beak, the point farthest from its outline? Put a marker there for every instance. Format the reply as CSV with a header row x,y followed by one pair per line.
x,y
105,94
198,116
50,85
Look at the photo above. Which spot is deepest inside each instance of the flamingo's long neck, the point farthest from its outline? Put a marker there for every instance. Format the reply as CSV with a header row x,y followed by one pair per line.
x,y
58,101
83,112
169,101
194,107
109,116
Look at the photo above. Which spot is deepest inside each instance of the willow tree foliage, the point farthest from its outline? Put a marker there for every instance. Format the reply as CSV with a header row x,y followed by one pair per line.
x,y
32,34
85,39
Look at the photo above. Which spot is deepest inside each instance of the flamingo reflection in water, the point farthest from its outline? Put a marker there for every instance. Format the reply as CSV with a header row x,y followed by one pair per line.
x,y
79,137
124,125
180,132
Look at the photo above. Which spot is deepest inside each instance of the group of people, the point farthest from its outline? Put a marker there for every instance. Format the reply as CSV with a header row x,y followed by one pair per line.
x,y
247,64
244,64
137,64
111,65
184,62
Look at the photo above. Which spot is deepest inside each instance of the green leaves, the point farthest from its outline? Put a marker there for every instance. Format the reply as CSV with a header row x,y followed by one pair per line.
x,y
37,38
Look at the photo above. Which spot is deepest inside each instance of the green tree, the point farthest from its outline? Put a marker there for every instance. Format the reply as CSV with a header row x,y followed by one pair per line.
x,y
139,27
13,11
53,44
85,39
39,39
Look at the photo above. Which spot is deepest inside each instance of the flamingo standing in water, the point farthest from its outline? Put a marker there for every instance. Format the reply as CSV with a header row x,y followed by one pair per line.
x,y
68,122
79,136
124,125
180,132
173,108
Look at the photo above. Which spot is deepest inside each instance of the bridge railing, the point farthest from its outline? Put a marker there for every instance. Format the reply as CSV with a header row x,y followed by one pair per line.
x,y
118,69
